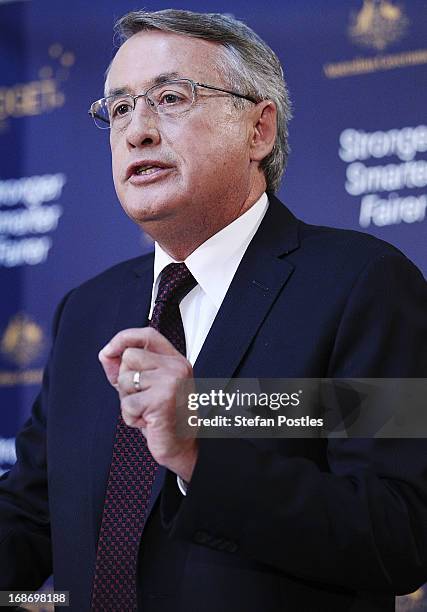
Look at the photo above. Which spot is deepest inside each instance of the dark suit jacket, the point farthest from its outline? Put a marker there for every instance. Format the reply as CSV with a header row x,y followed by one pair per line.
x,y
268,525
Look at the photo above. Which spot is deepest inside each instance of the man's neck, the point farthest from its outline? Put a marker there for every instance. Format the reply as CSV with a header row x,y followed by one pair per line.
x,y
179,242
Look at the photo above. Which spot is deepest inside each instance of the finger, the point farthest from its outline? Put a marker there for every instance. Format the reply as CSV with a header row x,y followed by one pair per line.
x,y
137,422
142,359
126,382
145,338
142,337
111,367
133,408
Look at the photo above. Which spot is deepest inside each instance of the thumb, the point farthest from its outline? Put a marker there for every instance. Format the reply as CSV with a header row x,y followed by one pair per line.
x,y
111,366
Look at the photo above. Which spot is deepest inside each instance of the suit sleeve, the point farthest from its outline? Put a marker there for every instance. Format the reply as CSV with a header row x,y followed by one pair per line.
x,y
361,524
25,541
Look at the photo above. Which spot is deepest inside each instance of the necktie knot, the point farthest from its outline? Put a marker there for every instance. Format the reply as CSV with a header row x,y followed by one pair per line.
x,y
176,281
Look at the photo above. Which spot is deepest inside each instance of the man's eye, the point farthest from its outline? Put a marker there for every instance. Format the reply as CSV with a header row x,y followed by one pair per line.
x,y
170,97
121,109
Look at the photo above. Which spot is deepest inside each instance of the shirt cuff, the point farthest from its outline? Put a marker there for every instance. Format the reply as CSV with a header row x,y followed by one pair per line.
x,y
182,485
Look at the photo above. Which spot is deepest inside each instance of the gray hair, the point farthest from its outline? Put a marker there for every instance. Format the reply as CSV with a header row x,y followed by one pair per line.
x,y
250,66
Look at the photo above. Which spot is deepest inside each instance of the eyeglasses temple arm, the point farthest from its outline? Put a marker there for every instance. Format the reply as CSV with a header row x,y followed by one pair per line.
x,y
232,93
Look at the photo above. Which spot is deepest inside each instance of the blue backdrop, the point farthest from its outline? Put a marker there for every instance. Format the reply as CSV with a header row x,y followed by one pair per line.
x,y
357,73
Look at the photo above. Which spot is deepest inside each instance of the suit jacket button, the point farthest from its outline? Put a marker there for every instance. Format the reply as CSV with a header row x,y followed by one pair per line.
x,y
201,537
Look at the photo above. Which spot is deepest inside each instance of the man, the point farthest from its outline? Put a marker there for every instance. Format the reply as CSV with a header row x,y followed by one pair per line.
x,y
197,111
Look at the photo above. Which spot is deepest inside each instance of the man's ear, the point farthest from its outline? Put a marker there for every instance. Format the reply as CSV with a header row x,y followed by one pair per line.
x,y
264,130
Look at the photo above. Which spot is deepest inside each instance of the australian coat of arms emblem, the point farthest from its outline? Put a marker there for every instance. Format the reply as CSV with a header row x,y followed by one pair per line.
x,y
22,340
378,24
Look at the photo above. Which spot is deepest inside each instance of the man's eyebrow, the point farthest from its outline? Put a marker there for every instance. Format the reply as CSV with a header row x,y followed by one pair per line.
x,y
116,91
158,80
166,76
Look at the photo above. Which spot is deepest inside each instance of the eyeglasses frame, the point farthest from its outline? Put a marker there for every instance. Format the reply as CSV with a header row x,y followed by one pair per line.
x,y
153,108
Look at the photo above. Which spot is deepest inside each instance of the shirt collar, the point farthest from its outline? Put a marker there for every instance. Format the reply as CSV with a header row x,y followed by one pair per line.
x,y
214,263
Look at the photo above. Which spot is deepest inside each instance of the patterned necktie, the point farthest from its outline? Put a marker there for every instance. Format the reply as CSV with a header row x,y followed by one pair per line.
x,y
133,470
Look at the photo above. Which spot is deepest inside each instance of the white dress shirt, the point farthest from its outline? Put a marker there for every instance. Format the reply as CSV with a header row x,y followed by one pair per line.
x,y
213,264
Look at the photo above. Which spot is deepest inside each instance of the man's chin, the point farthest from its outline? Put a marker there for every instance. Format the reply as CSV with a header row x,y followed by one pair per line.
x,y
146,216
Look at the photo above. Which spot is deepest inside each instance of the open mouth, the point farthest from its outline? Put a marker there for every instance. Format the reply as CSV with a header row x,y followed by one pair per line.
x,y
142,170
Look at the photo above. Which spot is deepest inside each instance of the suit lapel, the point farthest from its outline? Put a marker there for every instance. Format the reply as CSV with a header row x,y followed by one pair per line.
x,y
260,278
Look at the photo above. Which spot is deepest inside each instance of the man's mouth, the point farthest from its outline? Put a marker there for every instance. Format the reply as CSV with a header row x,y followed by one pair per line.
x,y
145,170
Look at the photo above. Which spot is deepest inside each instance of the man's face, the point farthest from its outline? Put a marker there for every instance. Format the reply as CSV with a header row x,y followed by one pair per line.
x,y
203,155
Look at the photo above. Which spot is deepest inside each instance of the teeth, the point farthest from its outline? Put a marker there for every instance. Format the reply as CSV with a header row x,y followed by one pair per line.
x,y
145,169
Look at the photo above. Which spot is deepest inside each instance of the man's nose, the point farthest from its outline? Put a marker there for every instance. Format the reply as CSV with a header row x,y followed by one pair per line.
x,y
143,126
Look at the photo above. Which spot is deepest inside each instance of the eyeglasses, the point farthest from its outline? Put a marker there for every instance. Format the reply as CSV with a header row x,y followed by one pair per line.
x,y
169,98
